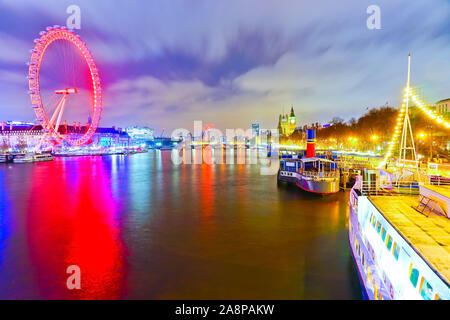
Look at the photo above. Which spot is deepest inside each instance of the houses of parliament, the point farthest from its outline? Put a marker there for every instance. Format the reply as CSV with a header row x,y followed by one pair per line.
x,y
287,123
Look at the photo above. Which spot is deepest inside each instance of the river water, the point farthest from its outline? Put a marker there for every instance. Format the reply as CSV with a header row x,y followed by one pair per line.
x,y
143,227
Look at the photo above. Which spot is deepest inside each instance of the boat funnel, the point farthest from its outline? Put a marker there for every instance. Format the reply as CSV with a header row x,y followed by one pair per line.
x,y
311,143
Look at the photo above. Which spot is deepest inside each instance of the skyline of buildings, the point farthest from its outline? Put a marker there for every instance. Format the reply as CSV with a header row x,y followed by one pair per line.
x,y
29,133
248,62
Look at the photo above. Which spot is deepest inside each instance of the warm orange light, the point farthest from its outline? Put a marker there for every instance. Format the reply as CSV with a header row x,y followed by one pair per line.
x,y
422,135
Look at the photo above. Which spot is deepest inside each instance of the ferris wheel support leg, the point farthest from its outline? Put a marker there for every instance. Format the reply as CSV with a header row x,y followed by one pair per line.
x,y
57,110
38,146
60,105
61,110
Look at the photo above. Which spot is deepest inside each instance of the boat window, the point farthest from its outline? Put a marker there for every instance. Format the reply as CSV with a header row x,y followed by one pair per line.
x,y
427,290
414,275
389,242
396,250
373,221
378,227
383,234
309,166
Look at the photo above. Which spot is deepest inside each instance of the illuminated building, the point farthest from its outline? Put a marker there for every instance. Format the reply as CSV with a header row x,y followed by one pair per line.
x,y
287,123
140,135
111,137
443,108
255,132
19,136
255,129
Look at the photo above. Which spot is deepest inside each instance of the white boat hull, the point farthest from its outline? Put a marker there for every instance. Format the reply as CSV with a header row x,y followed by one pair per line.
x,y
326,186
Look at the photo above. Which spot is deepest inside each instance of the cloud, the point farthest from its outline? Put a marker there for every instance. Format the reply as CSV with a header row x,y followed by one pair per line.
x,y
12,77
155,99
14,50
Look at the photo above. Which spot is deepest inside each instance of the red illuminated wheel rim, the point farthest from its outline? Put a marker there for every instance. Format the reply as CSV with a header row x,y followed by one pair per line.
x,y
57,36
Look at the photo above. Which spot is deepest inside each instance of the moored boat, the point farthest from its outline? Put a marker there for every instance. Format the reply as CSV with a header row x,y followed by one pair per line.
x,y
45,156
317,175
400,242
23,158
310,173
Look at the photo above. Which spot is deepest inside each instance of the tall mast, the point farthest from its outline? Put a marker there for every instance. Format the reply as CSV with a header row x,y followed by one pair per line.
x,y
409,73
407,131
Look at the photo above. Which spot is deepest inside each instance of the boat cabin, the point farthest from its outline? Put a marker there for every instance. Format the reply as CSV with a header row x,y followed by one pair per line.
x,y
317,165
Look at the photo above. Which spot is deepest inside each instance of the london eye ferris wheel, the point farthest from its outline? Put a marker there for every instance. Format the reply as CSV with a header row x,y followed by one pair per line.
x,y
64,87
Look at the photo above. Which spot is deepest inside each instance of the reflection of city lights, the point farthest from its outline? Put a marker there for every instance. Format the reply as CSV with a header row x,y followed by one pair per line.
x,y
374,137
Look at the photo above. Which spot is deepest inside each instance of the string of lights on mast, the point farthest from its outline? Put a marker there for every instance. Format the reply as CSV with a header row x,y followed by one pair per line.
x,y
403,122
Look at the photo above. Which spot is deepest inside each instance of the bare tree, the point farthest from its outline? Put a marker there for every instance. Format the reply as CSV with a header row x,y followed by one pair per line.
x,y
22,144
4,147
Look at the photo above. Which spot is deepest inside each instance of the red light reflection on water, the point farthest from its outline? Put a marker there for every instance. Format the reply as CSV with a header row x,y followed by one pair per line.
x,y
72,221
206,190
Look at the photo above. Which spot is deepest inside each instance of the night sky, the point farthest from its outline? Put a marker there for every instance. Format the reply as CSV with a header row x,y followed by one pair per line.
x,y
230,63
